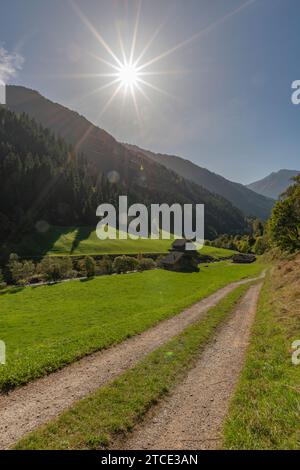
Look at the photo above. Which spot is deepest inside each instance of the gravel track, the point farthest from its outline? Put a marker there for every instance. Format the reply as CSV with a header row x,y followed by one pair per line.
x,y
191,417
27,407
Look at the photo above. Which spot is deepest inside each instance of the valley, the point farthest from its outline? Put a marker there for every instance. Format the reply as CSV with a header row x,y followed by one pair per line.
x,y
78,241
114,343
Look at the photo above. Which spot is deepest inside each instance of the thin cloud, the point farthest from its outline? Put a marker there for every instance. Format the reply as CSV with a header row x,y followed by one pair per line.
x,y
10,64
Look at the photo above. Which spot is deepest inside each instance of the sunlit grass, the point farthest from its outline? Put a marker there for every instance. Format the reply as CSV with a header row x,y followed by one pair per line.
x,y
84,241
114,409
264,413
46,327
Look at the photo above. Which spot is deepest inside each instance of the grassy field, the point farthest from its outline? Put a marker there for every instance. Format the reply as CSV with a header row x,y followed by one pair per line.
x,y
115,408
84,241
264,413
46,327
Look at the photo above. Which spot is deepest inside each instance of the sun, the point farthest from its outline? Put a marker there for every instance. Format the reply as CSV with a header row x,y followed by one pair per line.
x,y
128,75
129,71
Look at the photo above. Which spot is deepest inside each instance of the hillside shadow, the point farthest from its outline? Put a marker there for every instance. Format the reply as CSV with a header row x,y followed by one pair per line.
x,y
82,233
44,242
36,245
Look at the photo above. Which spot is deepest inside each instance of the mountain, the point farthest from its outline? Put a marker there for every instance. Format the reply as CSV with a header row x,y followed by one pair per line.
x,y
248,201
41,179
274,184
130,172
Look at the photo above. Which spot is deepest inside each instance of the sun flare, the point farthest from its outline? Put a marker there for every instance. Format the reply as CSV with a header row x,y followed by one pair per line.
x,y
128,70
128,75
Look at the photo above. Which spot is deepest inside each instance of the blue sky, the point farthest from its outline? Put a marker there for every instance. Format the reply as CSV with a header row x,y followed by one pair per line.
x,y
227,103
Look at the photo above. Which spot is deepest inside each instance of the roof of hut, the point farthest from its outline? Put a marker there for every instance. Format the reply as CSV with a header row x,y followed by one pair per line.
x,y
180,244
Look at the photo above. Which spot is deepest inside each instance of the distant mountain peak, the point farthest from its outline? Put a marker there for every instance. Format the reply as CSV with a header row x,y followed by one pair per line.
x,y
275,183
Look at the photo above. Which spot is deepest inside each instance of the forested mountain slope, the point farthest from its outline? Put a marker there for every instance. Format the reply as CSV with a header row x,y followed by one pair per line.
x,y
249,202
136,175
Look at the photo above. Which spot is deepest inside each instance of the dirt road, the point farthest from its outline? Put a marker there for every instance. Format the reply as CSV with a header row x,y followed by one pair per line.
x,y
27,407
192,416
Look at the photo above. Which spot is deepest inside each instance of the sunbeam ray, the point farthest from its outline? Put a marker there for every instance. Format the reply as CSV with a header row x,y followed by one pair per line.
x,y
122,47
108,103
204,31
103,61
164,72
159,90
149,43
93,30
140,89
136,27
76,76
103,110
97,90
128,71
136,105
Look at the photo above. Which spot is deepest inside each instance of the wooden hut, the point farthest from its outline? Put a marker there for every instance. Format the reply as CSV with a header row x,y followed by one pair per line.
x,y
180,258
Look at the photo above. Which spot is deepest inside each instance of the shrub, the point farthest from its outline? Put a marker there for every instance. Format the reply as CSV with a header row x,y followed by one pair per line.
x,y
105,265
66,268
261,245
244,246
146,263
284,224
123,264
2,282
54,269
88,266
28,271
15,268
48,268
21,272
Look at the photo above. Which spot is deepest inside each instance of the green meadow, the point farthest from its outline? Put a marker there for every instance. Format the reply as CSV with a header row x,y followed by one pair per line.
x,y
60,241
47,327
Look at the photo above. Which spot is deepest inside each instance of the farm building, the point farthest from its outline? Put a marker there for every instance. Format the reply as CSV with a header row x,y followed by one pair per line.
x,y
181,259
243,258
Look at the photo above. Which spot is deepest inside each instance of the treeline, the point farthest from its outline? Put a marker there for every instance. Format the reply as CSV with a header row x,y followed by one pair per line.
x,y
53,269
255,242
281,231
284,225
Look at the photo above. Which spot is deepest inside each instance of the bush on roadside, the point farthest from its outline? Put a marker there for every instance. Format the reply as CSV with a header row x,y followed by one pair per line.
x,y
54,269
284,224
145,264
66,268
21,272
15,268
87,266
48,269
2,281
90,266
123,264
28,271
105,265
261,245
